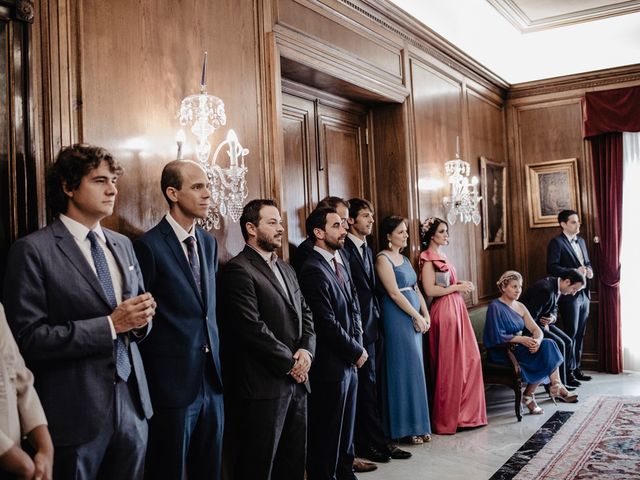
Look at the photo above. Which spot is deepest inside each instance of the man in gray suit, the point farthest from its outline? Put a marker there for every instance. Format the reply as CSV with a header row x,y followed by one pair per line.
x,y
75,302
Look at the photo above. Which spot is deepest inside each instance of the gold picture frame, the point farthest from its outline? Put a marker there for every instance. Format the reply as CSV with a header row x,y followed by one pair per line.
x,y
494,203
552,187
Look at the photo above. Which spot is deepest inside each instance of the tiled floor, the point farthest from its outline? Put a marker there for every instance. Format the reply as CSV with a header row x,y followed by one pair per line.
x,y
477,454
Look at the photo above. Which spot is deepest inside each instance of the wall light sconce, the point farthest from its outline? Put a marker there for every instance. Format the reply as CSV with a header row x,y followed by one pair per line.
x,y
205,114
464,199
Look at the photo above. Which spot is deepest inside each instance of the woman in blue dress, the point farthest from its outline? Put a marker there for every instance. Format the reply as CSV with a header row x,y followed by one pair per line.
x,y
405,318
539,357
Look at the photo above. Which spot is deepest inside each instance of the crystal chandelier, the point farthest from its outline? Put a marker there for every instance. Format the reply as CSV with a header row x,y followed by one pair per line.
x,y
464,199
204,114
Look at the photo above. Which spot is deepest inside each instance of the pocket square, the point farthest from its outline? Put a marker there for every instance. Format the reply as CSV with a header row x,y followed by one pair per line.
x,y
130,268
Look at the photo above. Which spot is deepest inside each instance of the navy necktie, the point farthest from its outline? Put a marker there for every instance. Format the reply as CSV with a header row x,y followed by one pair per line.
x,y
365,257
193,261
123,365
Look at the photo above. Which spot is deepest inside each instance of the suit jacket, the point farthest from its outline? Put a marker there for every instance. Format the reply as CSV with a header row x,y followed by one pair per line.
x,y
540,298
336,319
174,353
561,258
366,287
57,310
264,325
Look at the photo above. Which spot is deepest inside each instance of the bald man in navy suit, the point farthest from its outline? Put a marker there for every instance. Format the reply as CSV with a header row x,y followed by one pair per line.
x,y
179,261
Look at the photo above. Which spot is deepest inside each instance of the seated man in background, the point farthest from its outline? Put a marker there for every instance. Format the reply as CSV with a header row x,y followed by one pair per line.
x,y
20,414
541,299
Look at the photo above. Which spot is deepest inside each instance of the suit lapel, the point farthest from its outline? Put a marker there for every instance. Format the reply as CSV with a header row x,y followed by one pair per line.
x,y
204,267
70,248
258,262
572,252
181,259
120,254
362,260
331,273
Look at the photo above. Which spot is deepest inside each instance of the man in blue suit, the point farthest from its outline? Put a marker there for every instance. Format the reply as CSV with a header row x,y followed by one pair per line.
x,y
565,252
370,439
181,356
326,286
75,301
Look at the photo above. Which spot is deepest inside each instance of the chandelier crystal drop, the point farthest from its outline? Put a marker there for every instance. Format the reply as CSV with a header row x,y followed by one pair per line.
x,y
464,199
204,114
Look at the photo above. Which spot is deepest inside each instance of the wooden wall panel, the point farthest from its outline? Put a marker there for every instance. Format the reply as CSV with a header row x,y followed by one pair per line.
x,y
487,138
298,121
139,59
547,131
437,111
543,129
393,186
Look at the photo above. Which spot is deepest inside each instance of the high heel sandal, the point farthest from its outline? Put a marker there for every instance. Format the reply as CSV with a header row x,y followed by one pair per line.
x,y
530,402
558,391
412,440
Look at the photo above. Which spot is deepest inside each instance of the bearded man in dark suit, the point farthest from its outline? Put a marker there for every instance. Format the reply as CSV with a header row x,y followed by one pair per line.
x,y
268,332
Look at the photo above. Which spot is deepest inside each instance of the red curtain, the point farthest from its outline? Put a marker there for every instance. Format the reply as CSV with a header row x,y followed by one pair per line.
x,y
611,111
607,171
606,114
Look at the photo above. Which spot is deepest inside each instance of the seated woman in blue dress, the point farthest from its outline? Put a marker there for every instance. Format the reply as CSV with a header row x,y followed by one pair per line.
x,y
539,357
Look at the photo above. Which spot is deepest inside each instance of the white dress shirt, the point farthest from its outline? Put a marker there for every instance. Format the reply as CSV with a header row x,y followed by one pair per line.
x,y
79,233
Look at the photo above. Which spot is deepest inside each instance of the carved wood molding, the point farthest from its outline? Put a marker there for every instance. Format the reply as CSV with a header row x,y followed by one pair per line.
x,y
583,82
420,36
339,64
24,10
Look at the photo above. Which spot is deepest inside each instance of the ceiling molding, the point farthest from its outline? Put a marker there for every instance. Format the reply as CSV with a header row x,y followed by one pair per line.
x,y
515,12
585,82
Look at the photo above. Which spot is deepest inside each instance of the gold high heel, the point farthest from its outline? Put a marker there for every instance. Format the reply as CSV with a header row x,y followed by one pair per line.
x,y
558,391
530,402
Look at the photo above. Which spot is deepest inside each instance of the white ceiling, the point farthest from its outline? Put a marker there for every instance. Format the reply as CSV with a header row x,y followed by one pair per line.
x,y
479,30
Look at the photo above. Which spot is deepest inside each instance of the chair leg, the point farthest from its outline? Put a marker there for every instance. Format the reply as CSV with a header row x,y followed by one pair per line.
x,y
518,390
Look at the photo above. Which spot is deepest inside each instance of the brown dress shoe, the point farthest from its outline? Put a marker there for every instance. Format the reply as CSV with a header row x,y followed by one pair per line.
x,y
361,466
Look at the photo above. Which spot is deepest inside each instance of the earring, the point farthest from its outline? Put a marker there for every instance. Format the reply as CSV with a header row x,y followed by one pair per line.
x,y
390,246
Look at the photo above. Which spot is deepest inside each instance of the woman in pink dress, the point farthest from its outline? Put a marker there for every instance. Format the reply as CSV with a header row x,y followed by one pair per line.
x,y
454,359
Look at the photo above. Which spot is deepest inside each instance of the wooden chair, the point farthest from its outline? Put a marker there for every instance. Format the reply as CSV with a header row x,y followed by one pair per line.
x,y
498,373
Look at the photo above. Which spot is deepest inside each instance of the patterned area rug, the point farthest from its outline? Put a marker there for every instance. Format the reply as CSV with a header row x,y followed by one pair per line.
x,y
601,440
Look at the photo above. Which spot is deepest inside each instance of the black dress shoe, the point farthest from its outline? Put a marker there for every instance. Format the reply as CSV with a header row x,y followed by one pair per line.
x,y
397,453
572,381
569,387
376,455
581,376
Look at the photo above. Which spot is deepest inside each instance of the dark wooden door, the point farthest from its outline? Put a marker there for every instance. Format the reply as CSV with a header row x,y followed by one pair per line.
x,y
325,153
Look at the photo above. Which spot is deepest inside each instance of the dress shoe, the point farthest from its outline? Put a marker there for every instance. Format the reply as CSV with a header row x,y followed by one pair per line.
x,y
376,455
569,387
361,466
581,376
397,453
572,381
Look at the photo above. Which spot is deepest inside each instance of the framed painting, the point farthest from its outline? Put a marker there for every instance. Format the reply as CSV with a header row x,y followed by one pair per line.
x,y
494,204
552,187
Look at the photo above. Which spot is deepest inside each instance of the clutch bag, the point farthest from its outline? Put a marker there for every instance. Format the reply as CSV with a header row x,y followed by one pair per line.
x,y
443,279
